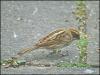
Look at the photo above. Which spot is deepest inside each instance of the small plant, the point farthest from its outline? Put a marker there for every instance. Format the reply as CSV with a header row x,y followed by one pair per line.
x,y
81,16
65,64
12,63
82,45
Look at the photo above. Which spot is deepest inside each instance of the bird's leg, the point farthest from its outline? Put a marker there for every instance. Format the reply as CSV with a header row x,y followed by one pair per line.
x,y
55,51
64,54
58,51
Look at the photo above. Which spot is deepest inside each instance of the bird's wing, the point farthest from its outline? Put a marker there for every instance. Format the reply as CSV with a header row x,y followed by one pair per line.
x,y
53,38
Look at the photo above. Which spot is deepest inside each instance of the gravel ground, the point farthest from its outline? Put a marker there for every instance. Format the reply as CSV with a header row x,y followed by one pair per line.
x,y
23,23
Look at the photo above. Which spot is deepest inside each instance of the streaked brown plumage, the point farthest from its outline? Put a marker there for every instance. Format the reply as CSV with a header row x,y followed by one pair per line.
x,y
56,39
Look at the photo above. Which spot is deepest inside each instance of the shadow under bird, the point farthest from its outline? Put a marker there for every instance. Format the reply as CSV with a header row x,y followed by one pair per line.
x,y
57,39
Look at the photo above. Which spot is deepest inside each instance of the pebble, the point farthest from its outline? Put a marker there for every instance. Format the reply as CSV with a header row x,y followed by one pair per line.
x,y
3,64
61,61
19,18
76,56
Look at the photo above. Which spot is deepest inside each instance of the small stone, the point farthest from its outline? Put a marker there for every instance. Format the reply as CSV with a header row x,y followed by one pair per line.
x,y
61,61
76,56
71,61
42,65
19,18
4,64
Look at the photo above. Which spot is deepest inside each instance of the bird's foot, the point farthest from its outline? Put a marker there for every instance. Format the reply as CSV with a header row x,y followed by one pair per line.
x,y
54,52
64,54
51,53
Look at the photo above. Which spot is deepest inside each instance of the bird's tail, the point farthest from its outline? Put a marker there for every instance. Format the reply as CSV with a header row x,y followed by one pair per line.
x,y
23,51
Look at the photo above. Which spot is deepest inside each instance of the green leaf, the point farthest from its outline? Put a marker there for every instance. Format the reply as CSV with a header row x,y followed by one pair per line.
x,y
83,42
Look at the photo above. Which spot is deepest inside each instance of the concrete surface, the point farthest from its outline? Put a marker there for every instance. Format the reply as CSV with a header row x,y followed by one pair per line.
x,y
50,70
23,23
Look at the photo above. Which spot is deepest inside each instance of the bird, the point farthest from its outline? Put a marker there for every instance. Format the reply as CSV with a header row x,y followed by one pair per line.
x,y
54,40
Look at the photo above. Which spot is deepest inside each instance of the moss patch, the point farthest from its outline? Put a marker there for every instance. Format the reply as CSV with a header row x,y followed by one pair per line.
x,y
65,64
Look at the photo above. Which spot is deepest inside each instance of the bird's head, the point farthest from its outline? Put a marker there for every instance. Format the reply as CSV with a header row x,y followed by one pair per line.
x,y
75,33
